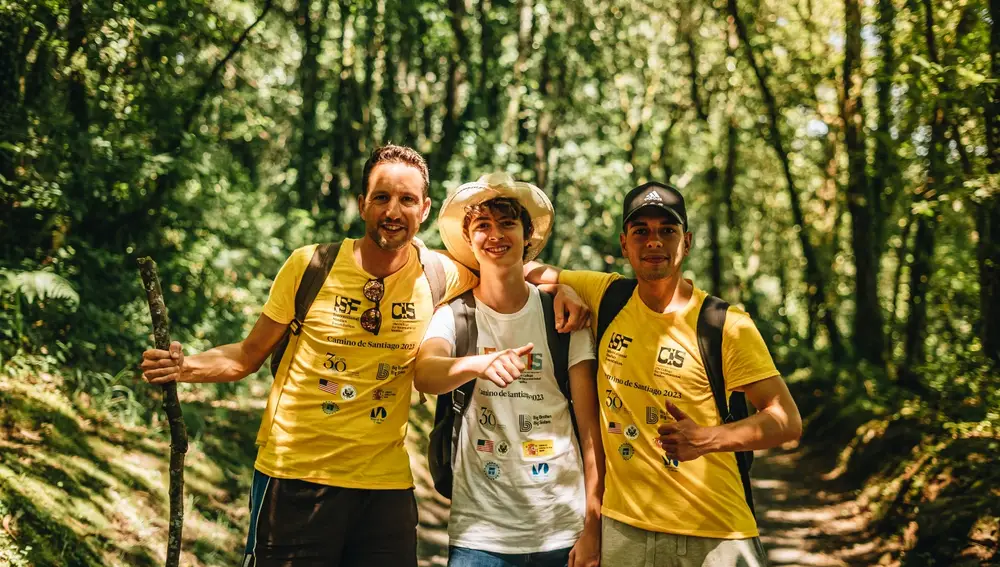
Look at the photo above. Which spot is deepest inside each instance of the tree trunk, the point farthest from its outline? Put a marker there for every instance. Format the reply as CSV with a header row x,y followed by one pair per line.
x,y
714,246
76,60
921,268
544,127
488,85
885,181
740,291
988,215
900,264
451,124
525,23
368,100
11,109
869,339
392,75
341,121
312,37
816,288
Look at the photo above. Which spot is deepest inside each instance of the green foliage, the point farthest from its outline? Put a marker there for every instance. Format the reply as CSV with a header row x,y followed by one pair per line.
x,y
41,285
216,138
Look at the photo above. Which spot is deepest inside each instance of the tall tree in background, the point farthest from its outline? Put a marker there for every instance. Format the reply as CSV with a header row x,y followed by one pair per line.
x,y
862,202
311,34
988,212
927,220
815,281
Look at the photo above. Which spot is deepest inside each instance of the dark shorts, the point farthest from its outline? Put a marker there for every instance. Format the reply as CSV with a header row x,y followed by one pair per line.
x,y
294,523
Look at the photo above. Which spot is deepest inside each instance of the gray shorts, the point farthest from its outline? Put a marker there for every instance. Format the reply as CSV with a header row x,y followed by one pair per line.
x,y
623,545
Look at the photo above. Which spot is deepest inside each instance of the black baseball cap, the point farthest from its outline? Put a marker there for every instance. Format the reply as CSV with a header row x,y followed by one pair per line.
x,y
654,194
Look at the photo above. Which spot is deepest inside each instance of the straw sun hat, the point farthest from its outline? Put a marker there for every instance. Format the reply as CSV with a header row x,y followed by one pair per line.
x,y
492,186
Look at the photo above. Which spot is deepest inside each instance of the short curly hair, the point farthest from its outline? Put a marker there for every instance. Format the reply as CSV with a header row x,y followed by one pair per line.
x,y
500,208
391,153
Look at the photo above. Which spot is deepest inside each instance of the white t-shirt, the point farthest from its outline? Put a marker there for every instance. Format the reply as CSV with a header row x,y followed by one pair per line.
x,y
518,474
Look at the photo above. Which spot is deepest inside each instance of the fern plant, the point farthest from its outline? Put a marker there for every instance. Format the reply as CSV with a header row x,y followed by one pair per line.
x,y
39,284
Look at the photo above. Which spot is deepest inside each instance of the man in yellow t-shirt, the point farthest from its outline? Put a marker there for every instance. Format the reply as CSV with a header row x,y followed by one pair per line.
x,y
332,484
673,492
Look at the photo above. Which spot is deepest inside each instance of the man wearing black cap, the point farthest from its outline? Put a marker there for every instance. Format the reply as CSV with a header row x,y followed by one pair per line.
x,y
674,494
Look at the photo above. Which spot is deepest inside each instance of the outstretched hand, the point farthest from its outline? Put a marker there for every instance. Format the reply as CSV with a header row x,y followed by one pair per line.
x,y
506,365
162,366
684,440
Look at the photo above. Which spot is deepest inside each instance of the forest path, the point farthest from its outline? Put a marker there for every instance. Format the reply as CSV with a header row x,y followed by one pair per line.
x,y
806,519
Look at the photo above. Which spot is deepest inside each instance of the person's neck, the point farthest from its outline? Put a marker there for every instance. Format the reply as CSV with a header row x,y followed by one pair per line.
x,y
378,262
666,295
502,289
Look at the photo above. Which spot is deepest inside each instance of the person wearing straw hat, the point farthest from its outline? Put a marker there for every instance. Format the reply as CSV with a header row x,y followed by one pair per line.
x,y
526,489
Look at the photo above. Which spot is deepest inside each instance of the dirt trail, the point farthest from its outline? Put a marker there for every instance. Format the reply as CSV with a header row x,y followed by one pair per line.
x,y
804,520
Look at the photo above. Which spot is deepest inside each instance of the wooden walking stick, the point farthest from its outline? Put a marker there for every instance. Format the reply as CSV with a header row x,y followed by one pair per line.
x,y
172,407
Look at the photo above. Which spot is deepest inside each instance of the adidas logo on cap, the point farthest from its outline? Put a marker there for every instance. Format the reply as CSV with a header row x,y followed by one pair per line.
x,y
652,196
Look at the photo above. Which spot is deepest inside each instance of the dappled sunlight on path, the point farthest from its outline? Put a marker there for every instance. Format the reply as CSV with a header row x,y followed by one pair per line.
x,y
805,520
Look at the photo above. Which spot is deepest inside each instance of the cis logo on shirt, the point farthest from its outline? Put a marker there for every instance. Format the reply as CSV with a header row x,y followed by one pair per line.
x,y
619,342
345,305
672,356
403,311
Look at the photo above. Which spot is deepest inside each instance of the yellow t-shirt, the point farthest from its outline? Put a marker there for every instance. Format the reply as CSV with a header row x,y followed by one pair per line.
x,y
646,359
341,415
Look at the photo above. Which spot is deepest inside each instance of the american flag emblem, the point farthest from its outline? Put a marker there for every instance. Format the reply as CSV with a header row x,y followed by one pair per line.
x,y
484,445
614,427
328,386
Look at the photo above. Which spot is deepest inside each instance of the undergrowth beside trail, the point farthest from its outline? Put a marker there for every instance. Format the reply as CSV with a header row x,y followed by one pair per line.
x,y
80,486
924,468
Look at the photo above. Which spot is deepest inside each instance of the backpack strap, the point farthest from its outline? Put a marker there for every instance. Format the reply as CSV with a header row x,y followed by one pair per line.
x,y
612,302
558,344
711,321
559,349
463,308
312,281
433,271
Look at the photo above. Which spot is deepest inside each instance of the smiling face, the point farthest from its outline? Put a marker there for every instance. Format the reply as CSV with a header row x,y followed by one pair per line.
x,y
394,205
655,244
497,231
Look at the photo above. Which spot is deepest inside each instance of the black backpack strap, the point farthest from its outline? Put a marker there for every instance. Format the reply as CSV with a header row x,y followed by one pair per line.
x,y
434,272
312,281
612,302
711,321
558,344
463,308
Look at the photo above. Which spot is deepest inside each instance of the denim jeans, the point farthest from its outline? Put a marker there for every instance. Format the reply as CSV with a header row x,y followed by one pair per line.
x,y
465,557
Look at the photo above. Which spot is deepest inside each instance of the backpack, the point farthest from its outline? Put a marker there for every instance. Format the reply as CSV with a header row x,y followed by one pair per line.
x,y
312,281
451,407
711,320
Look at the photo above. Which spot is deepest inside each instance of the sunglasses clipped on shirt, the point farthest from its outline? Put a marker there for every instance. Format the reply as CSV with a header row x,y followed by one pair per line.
x,y
371,319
